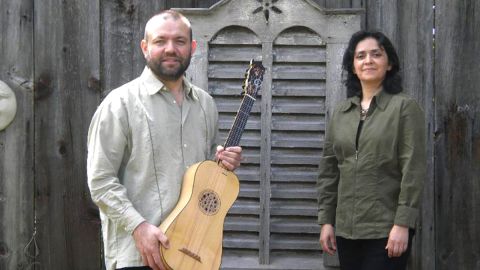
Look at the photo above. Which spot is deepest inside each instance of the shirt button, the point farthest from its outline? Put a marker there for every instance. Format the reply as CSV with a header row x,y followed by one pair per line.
x,y
185,145
174,101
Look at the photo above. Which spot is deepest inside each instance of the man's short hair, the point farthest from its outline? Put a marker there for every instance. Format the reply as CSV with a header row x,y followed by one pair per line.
x,y
169,14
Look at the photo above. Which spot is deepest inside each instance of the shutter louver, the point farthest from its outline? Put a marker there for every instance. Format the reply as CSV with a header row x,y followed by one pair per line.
x,y
228,56
298,110
273,222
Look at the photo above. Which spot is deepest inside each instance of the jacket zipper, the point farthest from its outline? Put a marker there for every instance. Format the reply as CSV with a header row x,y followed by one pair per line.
x,y
357,137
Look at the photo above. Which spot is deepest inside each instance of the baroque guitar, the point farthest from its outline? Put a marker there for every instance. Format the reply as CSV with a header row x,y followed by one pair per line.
x,y
195,226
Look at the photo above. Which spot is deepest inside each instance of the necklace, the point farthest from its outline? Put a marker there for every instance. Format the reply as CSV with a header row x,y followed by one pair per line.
x,y
363,113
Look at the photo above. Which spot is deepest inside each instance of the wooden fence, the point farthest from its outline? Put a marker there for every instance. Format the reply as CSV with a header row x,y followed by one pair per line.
x,y
61,57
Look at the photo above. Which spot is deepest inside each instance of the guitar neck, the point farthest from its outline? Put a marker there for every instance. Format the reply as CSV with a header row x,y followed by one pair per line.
x,y
240,121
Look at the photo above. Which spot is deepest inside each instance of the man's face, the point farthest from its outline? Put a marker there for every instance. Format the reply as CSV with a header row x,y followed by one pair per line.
x,y
168,48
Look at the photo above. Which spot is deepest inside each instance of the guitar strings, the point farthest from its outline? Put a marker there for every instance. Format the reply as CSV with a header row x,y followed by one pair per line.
x,y
195,244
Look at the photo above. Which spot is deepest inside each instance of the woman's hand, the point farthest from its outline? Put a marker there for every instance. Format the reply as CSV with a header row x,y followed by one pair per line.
x,y
397,241
327,239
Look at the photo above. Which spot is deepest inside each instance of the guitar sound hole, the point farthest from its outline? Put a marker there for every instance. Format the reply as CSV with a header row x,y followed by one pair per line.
x,y
209,202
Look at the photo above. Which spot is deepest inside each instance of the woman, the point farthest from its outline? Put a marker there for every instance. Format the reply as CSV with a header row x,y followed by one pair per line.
x,y
373,164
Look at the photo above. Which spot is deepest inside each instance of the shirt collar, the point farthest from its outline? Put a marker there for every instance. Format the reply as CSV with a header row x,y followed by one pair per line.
x,y
381,100
154,85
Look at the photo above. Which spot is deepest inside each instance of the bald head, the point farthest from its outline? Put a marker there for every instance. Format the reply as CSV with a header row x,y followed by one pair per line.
x,y
165,16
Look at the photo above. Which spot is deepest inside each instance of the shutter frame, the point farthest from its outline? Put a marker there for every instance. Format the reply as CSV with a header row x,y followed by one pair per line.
x,y
274,220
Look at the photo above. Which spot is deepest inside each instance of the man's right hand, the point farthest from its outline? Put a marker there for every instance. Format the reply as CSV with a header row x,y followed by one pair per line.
x,y
147,238
327,239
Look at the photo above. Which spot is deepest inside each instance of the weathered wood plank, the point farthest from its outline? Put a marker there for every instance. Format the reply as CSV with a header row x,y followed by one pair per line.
x,y
253,123
249,190
280,260
424,246
299,71
320,3
232,104
295,225
295,156
122,28
292,174
299,36
305,54
297,139
294,242
384,16
299,191
457,134
248,173
234,53
293,88
242,223
16,141
67,61
249,138
204,3
245,207
241,240
235,35
304,123
338,3
303,105
294,208
409,25
231,70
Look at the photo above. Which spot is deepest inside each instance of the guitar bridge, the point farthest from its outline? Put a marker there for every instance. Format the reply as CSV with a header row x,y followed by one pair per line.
x,y
191,254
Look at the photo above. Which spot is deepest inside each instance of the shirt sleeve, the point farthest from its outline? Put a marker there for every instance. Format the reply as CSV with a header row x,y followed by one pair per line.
x,y
107,141
214,131
412,160
327,183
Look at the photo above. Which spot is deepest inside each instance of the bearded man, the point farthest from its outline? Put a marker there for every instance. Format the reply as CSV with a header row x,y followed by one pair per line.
x,y
142,138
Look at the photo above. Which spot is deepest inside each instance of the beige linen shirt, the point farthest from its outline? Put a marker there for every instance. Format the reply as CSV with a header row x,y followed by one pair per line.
x,y
139,144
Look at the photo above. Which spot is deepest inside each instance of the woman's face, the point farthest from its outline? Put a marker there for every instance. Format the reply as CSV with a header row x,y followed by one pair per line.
x,y
370,62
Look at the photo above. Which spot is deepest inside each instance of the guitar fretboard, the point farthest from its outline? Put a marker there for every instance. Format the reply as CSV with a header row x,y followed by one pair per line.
x,y
240,121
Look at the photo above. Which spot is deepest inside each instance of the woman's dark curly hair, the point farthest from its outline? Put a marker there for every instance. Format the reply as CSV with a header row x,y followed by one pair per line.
x,y
392,82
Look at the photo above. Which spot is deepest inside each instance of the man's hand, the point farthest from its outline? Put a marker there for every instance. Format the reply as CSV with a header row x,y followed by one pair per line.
x,y
327,239
397,241
230,157
147,238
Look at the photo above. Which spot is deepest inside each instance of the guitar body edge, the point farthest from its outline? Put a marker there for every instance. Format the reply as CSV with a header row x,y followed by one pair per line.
x,y
195,226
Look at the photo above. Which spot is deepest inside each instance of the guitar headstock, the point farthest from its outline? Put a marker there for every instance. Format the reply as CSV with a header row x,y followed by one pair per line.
x,y
253,78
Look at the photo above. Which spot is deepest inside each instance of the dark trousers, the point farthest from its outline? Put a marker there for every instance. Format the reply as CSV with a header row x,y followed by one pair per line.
x,y
370,254
135,268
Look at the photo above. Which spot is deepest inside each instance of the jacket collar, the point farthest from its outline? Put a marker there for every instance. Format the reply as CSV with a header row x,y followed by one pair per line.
x,y
381,101
154,85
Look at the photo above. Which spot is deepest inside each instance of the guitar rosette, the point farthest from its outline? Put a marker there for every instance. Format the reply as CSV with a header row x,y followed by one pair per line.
x,y
209,202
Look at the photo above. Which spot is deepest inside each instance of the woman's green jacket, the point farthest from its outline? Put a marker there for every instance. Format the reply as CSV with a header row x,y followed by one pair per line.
x,y
364,189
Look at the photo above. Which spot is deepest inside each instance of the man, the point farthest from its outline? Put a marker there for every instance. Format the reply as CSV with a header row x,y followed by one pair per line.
x,y
142,138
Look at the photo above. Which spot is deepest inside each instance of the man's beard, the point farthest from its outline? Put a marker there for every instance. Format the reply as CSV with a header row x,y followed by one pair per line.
x,y
168,74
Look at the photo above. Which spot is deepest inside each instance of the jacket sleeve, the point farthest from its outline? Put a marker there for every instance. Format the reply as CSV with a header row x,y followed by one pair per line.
x,y
107,141
327,183
412,162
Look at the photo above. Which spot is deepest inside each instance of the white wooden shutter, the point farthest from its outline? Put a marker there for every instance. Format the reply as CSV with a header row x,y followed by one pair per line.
x,y
297,129
228,56
272,225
